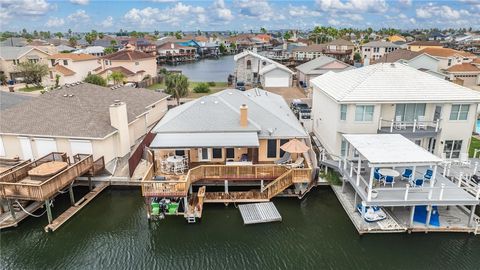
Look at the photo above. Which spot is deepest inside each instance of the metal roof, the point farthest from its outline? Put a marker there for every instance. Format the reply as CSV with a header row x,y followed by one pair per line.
x,y
390,149
195,140
391,82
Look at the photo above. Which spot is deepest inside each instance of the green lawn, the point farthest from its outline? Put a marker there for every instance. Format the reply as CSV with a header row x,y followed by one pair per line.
x,y
31,88
474,144
213,89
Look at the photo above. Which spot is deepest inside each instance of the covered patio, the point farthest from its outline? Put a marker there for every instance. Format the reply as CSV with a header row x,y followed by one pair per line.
x,y
388,170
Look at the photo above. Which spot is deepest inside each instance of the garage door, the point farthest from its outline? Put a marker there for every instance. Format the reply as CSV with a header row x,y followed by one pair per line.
x,y
26,148
81,147
277,81
45,146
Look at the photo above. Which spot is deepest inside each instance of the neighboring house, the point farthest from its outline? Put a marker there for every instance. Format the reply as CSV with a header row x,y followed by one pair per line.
x,y
436,36
14,42
173,52
92,50
466,74
81,118
10,57
306,53
317,67
252,69
64,48
400,55
417,46
393,98
449,57
376,49
71,67
283,51
340,49
135,65
418,60
8,99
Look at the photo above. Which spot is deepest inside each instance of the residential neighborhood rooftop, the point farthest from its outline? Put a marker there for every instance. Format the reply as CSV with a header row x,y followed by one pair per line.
x,y
80,110
315,66
127,55
445,52
391,82
380,44
464,67
8,99
400,54
73,56
10,53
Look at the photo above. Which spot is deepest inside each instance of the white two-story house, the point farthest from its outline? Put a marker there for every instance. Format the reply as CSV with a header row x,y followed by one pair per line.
x,y
393,98
376,49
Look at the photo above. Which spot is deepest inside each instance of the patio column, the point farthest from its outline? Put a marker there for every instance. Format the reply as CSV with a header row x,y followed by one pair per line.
x,y
370,184
359,167
432,182
412,214
363,214
226,186
429,216
12,211
472,215
185,203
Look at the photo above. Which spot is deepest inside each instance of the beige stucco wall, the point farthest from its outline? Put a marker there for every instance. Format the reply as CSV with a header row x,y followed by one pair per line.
x,y
81,69
8,67
149,65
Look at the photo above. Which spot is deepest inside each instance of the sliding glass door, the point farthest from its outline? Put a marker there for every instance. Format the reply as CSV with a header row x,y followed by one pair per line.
x,y
410,112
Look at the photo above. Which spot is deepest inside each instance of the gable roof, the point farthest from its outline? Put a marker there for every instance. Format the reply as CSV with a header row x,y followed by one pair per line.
x,y
10,53
464,67
380,44
82,113
168,46
446,52
400,54
127,72
127,55
315,66
425,43
74,56
340,42
268,115
311,48
271,64
391,82
64,70
91,50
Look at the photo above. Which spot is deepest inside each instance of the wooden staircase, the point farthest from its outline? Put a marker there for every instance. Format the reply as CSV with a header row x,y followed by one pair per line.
x,y
278,185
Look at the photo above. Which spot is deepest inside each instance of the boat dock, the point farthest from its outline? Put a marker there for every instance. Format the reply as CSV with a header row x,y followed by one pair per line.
x,y
8,221
259,213
70,212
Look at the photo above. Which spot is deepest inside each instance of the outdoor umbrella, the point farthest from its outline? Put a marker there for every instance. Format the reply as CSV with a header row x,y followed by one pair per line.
x,y
294,146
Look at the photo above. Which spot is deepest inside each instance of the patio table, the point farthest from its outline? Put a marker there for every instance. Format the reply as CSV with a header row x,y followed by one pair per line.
x,y
389,172
175,159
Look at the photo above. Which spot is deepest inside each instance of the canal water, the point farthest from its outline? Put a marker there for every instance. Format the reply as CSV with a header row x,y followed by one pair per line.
x,y
113,233
207,70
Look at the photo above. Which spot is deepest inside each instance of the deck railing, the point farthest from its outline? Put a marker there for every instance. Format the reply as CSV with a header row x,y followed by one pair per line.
x,y
12,188
412,126
223,172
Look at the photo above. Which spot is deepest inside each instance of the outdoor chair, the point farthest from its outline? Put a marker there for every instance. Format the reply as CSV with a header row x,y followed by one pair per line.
x,y
407,174
421,123
297,164
377,176
286,158
464,160
428,175
244,158
417,183
388,180
399,124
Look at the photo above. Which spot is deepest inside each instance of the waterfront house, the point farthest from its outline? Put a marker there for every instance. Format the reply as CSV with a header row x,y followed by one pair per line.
x,y
420,45
254,69
340,49
238,144
309,52
10,57
393,98
375,49
172,52
80,118
71,67
135,65
317,67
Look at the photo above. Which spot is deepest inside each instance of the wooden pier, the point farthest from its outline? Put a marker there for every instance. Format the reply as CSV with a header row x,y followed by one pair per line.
x,y
8,221
70,212
259,213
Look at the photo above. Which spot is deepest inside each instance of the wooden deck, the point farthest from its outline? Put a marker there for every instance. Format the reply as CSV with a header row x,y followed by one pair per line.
x,y
70,212
7,221
259,213
236,197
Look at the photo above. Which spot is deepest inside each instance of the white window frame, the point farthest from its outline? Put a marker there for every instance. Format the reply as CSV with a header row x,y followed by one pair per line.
x,y
343,112
200,156
2,148
456,114
363,119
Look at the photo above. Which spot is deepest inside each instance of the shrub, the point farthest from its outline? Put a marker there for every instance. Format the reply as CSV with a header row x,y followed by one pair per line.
x,y
95,79
211,84
201,88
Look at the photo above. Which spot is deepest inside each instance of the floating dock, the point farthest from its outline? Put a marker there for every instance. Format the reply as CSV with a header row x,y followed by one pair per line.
x,y
65,216
259,213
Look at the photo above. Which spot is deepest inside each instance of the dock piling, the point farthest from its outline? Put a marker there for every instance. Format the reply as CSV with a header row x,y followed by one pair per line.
x,y
49,211
72,197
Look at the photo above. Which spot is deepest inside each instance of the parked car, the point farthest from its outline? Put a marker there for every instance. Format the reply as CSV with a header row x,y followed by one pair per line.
x,y
240,86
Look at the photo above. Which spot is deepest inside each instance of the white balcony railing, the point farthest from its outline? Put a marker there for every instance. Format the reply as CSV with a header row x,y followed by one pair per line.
x,y
411,126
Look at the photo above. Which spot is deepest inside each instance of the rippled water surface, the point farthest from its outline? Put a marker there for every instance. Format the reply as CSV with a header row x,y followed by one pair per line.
x,y
207,70
113,233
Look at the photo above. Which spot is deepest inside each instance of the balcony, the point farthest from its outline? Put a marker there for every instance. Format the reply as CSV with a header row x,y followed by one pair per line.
x,y
411,129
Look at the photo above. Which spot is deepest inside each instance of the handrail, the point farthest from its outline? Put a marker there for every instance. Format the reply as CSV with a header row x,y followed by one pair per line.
x,y
415,125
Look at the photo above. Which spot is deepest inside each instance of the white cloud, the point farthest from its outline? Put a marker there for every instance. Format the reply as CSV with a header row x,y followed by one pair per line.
x,y
174,15
373,6
257,9
333,22
108,22
302,11
80,2
163,1
405,2
223,13
445,12
55,22
79,16
13,8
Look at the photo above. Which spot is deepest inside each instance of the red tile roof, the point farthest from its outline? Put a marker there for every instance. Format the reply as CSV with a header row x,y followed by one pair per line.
x,y
127,55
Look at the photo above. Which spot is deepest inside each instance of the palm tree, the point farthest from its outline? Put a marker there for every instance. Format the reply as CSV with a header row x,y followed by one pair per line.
x,y
177,86
117,77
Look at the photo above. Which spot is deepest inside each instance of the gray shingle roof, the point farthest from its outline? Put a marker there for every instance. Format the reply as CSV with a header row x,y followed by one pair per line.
x,y
10,53
8,99
380,44
315,66
268,115
85,114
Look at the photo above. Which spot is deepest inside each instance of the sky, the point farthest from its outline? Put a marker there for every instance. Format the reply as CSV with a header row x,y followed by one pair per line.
x,y
238,15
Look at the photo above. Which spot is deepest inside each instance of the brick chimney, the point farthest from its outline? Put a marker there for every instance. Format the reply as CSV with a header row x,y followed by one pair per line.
x,y
244,115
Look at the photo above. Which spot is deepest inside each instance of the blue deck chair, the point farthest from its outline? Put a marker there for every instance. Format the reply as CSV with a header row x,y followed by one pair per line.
x,y
418,183
428,175
407,174
388,180
377,176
